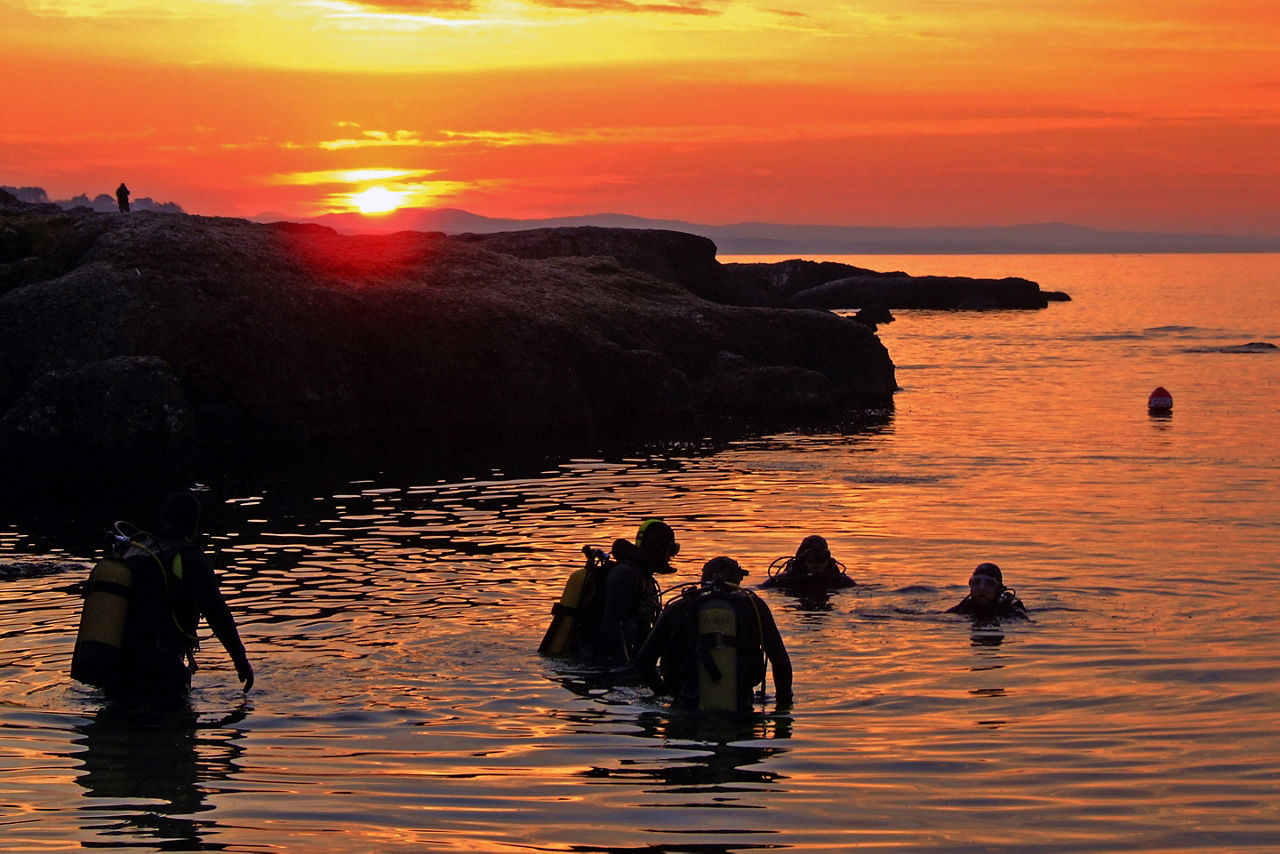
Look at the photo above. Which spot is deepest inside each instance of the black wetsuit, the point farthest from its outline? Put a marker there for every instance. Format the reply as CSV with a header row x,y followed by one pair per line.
x,y
1005,605
627,605
798,576
164,612
674,642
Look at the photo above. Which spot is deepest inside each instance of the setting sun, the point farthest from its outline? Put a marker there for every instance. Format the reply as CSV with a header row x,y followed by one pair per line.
x,y
376,200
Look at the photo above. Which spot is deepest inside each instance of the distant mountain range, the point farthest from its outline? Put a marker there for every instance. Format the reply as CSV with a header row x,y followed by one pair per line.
x,y
763,238
760,238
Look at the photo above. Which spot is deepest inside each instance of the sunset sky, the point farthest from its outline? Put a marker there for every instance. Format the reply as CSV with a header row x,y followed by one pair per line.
x,y
1141,115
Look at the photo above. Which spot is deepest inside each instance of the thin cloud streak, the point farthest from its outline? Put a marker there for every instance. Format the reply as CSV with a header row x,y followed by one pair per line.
x,y
348,176
719,134
432,7
688,8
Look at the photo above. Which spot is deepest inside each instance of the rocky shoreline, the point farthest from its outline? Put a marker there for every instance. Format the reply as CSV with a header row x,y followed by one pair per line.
x,y
152,346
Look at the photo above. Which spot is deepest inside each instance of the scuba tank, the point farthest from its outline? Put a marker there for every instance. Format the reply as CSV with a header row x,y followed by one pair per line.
x,y
717,653
95,660
100,640
579,589
109,594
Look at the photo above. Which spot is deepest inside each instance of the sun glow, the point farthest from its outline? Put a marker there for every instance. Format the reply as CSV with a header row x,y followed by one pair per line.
x,y
376,200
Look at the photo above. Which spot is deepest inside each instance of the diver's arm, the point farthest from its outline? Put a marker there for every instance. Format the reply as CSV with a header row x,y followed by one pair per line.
x,y
646,660
779,660
204,586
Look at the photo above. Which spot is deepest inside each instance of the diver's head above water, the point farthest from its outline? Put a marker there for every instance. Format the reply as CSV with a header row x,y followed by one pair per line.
x,y
658,542
724,569
986,584
813,555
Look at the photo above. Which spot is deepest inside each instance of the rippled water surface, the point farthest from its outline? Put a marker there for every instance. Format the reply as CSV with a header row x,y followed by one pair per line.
x,y
393,617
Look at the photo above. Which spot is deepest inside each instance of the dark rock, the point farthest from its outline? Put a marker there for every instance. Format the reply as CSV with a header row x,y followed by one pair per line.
x,y
832,285
164,343
873,315
683,259
121,419
936,292
1251,347
689,261
24,569
10,202
784,279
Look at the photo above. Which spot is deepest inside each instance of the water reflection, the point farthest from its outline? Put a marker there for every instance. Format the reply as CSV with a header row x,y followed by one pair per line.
x,y
398,611
809,602
714,758
985,635
594,683
153,766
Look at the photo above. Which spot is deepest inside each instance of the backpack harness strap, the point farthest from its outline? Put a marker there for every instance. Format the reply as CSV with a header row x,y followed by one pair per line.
x,y
193,642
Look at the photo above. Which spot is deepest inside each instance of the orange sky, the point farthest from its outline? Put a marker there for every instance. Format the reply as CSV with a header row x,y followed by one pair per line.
x,y
1138,115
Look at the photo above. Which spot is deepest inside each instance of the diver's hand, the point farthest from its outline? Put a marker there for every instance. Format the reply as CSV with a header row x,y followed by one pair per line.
x,y
244,673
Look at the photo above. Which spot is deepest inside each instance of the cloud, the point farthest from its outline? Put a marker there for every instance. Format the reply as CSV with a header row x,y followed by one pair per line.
x,y
343,188
379,139
679,7
417,7
136,11
348,176
816,130
429,7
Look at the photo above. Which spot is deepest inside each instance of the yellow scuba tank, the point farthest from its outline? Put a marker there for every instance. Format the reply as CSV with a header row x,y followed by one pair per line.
x,y
556,640
717,655
560,633
96,657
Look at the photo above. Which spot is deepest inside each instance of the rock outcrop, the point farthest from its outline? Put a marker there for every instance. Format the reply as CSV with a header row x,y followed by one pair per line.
x,y
831,285
145,345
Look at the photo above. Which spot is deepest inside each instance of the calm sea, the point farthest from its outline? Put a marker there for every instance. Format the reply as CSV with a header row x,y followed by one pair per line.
x,y
393,618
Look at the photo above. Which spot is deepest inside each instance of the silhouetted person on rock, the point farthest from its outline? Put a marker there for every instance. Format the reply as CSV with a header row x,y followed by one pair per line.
x,y
122,197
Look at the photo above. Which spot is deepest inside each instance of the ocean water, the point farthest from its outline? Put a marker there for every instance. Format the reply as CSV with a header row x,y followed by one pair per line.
x,y
393,618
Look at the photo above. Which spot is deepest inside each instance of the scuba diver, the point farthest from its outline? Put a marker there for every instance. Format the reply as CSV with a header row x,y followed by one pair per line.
x,y
630,598
609,605
988,597
167,584
812,568
709,646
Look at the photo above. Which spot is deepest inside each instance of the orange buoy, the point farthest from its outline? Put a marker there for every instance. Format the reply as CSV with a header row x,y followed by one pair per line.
x,y
1160,400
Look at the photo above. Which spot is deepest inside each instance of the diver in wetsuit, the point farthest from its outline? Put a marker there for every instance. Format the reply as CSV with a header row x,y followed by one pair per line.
x,y
988,597
709,646
629,601
811,569
174,585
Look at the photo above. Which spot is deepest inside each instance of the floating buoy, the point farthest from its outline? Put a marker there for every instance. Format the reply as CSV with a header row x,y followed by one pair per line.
x,y
1160,400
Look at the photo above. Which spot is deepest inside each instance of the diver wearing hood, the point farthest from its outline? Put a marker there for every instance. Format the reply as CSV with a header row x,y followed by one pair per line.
x,y
173,586
712,642
811,569
630,598
988,597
